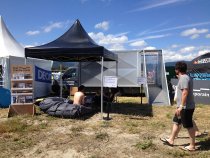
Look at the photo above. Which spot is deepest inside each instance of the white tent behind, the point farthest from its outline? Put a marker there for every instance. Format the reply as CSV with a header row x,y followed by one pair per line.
x,y
8,45
12,53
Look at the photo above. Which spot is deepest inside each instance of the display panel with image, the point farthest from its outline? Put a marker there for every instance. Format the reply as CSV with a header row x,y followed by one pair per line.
x,y
21,84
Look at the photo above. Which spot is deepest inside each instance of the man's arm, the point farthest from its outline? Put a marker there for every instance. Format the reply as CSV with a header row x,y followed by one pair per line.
x,y
185,92
184,96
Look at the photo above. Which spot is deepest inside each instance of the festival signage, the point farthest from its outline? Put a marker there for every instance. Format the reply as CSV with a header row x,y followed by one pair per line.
x,y
110,81
199,68
141,80
200,75
201,90
21,71
42,75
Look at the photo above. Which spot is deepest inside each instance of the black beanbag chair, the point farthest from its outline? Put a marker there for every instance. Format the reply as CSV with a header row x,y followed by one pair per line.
x,y
61,107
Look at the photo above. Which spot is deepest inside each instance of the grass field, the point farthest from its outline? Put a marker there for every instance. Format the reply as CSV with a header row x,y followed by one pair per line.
x,y
134,131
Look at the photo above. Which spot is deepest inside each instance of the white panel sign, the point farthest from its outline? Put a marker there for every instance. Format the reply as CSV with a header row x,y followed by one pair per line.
x,y
141,80
110,81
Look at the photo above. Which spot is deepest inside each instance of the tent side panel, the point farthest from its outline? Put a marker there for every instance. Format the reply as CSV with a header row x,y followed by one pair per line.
x,y
127,70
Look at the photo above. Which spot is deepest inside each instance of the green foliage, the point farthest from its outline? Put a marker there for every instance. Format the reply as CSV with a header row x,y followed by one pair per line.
x,y
77,128
178,153
101,136
145,144
106,124
168,115
158,124
13,125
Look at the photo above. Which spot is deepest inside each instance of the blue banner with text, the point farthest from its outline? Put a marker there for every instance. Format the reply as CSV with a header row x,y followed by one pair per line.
x,y
42,75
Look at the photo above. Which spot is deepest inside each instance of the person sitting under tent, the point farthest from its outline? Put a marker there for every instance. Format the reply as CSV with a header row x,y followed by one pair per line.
x,y
56,87
79,96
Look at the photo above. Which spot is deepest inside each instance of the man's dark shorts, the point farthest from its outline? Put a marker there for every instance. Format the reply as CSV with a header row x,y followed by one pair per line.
x,y
186,118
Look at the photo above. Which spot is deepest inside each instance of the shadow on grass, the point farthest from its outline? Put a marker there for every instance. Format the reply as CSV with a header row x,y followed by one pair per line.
x,y
203,143
132,109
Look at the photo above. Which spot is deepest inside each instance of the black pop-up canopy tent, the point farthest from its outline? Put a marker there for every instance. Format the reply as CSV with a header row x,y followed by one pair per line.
x,y
74,45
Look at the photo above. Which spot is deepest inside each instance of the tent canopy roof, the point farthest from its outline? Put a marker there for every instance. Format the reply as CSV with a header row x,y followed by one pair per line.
x,y
8,45
74,45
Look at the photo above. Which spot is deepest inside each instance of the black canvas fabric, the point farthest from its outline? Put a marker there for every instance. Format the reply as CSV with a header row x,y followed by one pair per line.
x,y
74,45
64,108
49,102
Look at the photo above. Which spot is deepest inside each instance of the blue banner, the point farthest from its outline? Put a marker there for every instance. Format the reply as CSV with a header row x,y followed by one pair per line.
x,y
42,75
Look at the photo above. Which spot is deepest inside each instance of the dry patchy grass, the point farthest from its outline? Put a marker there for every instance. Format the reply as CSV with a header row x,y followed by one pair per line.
x,y
134,131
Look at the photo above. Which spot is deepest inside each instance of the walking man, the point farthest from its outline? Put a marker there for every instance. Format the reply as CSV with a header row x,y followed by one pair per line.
x,y
185,107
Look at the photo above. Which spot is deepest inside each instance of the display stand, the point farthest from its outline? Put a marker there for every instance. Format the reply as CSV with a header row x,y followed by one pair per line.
x,y
21,90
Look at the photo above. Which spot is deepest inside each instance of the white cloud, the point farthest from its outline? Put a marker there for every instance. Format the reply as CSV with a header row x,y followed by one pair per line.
x,y
179,27
113,42
156,5
117,46
103,25
187,49
108,39
194,36
150,48
52,26
49,28
208,36
171,55
203,51
139,43
155,36
191,53
174,46
31,33
121,34
193,33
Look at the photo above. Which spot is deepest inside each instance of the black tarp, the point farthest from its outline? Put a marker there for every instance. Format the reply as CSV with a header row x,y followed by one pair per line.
x,y
74,45
199,68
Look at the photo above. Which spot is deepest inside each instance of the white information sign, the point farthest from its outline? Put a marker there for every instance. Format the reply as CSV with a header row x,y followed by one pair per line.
x,y
110,81
141,80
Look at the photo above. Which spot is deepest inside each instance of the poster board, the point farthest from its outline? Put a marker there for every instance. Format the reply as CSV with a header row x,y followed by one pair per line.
x,y
110,81
21,90
141,80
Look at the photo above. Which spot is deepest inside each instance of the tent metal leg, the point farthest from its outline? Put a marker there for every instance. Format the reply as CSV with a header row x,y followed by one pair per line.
x,y
61,83
102,65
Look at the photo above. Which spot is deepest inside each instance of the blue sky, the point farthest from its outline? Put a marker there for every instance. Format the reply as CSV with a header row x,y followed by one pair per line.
x,y
181,28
